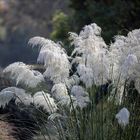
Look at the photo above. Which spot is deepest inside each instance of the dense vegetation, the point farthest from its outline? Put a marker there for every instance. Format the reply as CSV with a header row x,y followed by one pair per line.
x,y
85,87
92,94
114,16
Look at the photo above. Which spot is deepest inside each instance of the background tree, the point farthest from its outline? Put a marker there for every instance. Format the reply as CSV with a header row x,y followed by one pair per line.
x,y
62,24
113,16
22,20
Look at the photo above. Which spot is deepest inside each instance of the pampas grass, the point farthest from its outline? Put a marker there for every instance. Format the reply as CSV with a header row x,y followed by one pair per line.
x,y
99,99
22,74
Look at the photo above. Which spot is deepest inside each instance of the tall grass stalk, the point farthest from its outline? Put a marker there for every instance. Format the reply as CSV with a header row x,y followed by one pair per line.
x,y
97,121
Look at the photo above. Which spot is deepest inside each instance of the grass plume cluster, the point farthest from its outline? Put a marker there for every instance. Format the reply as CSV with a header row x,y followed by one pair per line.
x,y
95,92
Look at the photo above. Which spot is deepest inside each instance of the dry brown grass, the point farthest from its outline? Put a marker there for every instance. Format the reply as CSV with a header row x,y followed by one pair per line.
x,y
6,131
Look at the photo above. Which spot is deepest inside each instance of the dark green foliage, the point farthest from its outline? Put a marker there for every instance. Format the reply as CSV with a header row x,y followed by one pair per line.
x,y
116,18
81,13
113,16
62,24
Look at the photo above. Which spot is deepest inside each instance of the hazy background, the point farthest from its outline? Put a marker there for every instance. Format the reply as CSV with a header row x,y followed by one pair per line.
x,y
22,19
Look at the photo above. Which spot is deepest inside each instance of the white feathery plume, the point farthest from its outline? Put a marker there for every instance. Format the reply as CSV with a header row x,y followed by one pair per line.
x,y
81,102
67,100
100,64
76,40
86,75
90,40
123,117
43,99
128,66
53,57
58,68
94,56
125,57
78,91
59,91
30,78
77,60
38,41
23,75
82,98
125,51
15,69
19,95
5,98
73,80
137,84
